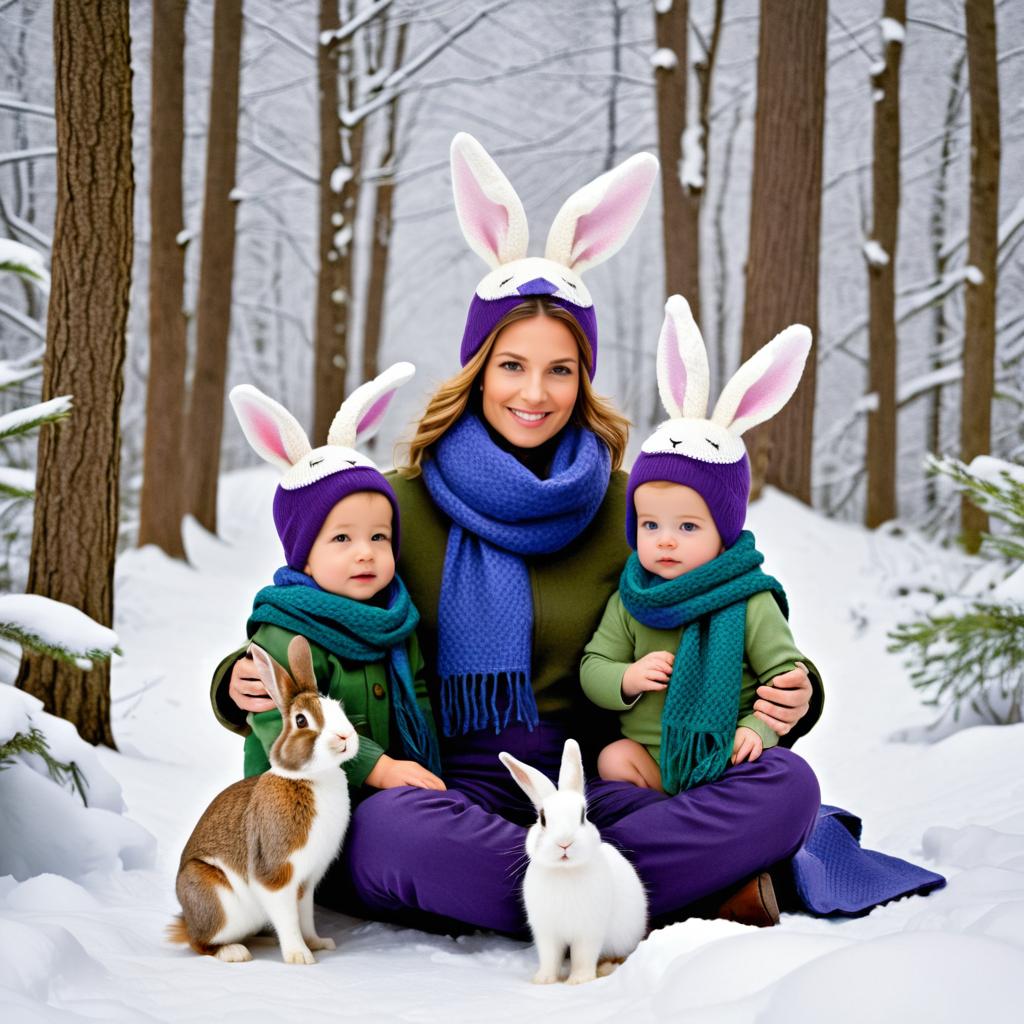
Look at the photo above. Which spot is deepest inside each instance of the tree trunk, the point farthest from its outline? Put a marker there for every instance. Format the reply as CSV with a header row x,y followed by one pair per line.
x,y
885,181
74,533
785,223
340,172
205,422
161,507
982,241
680,208
380,250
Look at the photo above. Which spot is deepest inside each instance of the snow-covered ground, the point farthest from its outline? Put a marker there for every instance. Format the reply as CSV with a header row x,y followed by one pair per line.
x,y
93,948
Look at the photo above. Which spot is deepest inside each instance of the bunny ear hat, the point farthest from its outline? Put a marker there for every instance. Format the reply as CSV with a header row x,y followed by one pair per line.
x,y
592,225
709,454
314,480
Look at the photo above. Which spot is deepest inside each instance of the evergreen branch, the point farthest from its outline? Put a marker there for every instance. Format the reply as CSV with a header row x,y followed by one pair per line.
x,y
10,631
34,742
17,493
22,270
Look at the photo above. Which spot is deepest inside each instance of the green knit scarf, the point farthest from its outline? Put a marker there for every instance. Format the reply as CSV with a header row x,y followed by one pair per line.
x,y
698,724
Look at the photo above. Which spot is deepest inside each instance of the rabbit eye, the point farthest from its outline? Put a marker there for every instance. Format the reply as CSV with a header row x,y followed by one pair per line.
x,y
543,820
583,815
301,721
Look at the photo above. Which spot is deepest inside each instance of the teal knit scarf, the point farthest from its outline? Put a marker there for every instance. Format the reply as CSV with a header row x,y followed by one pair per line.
x,y
359,631
698,724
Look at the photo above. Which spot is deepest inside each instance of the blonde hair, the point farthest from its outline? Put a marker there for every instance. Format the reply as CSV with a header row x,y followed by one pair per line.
x,y
449,402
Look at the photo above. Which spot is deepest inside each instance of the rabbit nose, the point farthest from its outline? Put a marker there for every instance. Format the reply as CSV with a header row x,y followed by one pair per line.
x,y
564,846
538,286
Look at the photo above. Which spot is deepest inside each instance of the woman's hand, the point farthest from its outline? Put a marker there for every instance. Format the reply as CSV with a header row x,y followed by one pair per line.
x,y
785,700
651,672
388,773
246,688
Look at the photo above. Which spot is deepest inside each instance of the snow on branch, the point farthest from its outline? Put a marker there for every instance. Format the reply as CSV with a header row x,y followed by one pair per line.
x,y
893,31
53,628
21,421
24,261
343,32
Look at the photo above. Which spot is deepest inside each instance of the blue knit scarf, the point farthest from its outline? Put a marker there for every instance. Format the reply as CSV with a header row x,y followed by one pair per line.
x,y
359,631
698,723
501,512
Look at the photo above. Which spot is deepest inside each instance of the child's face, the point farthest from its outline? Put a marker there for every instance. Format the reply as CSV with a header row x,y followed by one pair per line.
x,y
674,529
352,554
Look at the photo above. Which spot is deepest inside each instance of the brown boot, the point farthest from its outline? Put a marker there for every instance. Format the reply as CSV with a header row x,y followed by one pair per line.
x,y
753,903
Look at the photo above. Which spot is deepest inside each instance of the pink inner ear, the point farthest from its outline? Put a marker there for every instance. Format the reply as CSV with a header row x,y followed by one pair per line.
x,y
607,225
266,430
375,413
674,365
777,382
485,220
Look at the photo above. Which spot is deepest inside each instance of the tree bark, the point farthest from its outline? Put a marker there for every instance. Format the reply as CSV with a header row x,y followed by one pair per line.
x,y
882,342
340,173
74,533
161,506
205,418
982,244
785,223
380,250
680,207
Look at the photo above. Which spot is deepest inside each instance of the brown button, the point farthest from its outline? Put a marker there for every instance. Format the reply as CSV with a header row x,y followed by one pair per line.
x,y
378,691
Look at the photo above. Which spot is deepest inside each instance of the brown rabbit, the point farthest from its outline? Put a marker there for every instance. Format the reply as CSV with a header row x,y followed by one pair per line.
x,y
262,845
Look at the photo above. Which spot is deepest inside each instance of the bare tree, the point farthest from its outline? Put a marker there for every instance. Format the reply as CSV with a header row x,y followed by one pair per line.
x,y
785,222
162,506
982,246
881,260
75,528
205,417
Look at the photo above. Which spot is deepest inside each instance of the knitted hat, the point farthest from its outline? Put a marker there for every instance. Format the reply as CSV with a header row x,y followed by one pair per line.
x,y
592,225
709,454
316,479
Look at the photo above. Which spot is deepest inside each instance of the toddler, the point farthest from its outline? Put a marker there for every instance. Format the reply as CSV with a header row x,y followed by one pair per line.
x,y
695,626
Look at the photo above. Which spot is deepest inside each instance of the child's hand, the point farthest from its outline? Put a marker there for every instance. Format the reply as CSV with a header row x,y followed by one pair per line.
x,y
246,688
651,672
746,747
388,773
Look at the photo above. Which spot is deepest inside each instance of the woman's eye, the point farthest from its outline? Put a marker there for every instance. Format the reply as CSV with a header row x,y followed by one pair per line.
x,y
562,371
511,364
300,721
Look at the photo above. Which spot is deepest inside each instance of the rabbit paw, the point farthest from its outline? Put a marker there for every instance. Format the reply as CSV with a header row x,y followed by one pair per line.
x,y
545,978
301,955
605,967
579,977
234,953
315,942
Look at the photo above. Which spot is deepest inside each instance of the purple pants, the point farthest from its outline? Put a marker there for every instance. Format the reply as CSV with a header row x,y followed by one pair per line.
x,y
414,855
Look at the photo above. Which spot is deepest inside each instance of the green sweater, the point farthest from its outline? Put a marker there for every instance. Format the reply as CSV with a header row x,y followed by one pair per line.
x,y
363,689
769,650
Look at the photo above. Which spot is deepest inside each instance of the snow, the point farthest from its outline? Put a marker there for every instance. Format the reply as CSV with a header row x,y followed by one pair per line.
x,y
32,413
893,31
691,169
57,624
662,6
340,177
15,256
974,275
988,467
875,254
184,236
23,480
664,58
81,944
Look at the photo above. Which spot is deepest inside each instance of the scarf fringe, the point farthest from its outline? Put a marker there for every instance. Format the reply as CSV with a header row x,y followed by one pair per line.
x,y
470,702
690,758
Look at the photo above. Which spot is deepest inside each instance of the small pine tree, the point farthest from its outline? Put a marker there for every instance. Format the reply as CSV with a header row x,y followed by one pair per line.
x,y
969,652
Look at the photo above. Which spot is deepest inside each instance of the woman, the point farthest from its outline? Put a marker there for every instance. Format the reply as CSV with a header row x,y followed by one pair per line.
x,y
512,509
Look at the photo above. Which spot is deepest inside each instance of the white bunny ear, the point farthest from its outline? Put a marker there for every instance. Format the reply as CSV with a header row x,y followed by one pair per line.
x,y
570,775
535,785
361,414
682,365
595,222
490,212
273,432
765,382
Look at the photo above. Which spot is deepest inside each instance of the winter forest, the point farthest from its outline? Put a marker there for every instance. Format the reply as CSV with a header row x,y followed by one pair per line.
x,y
197,195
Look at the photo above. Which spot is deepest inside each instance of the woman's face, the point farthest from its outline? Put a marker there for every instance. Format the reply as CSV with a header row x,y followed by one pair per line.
x,y
531,380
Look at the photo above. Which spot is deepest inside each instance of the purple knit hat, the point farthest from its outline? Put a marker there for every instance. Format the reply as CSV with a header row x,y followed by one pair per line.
x,y
316,479
708,454
591,226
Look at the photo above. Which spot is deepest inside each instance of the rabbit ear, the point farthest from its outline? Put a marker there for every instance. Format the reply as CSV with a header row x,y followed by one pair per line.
x,y
570,776
279,684
273,432
595,222
490,212
765,382
362,413
535,785
300,661
683,374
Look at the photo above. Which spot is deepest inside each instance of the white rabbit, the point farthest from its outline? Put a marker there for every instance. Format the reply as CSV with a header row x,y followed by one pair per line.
x,y
262,845
592,225
275,434
755,393
579,892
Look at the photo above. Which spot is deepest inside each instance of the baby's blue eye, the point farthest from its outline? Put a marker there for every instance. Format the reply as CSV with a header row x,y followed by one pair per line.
x,y
649,525
689,527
